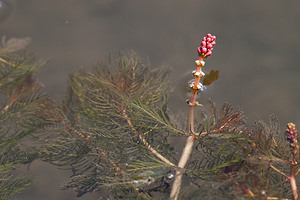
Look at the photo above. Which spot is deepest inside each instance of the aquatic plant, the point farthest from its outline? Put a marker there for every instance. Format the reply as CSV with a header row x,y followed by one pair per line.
x,y
22,113
114,127
204,51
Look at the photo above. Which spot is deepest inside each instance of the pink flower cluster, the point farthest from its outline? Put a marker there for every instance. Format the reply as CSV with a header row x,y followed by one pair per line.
x,y
292,134
207,45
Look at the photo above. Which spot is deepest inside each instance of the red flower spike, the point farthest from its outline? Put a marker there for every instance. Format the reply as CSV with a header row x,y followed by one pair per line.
x,y
292,135
206,47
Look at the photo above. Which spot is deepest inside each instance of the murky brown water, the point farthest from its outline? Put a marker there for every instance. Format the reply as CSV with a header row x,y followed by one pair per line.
x,y
257,50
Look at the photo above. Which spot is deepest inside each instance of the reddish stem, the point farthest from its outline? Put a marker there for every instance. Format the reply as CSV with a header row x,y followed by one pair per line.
x,y
196,82
293,176
190,140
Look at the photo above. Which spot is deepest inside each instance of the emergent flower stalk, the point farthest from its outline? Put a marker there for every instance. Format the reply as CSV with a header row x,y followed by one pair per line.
x,y
204,51
292,137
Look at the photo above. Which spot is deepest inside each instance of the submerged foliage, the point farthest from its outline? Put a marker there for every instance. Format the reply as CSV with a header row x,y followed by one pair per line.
x,y
112,132
111,118
22,111
114,129
239,161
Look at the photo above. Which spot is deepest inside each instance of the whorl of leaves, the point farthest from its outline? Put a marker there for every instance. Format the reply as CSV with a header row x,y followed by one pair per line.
x,y
10,184
107,114
231,156
22,113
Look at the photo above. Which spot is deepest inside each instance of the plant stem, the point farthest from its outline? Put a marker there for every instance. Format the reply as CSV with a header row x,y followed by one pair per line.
x,y
182,162
196,82
278,171
157,154
293,182
190,139
293,178
5,109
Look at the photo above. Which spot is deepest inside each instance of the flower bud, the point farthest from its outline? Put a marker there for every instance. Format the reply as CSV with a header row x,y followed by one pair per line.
x,y
209,46
203,50
199,50
208,53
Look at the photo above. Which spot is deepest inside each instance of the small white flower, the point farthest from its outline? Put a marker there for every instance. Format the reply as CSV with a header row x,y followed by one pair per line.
x,y
202,74
198,74
202,63
199,86
192,85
